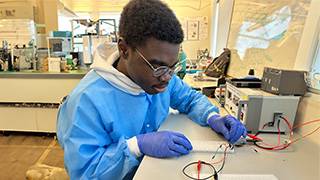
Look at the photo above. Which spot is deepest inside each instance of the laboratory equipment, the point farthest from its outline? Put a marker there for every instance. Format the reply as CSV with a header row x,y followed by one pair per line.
x,y
244,82
87,27
24,58
6,57
203,59
59,46
258,110
219,94
210,146
284,82
90,43
41,55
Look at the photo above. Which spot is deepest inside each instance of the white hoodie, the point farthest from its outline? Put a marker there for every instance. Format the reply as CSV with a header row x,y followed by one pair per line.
x,y
104,57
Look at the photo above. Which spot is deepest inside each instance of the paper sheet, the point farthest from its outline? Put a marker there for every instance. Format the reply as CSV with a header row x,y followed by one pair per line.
x,y
239,176
247,177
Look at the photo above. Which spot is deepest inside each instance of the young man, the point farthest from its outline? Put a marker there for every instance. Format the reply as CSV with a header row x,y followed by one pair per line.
x,y
111,118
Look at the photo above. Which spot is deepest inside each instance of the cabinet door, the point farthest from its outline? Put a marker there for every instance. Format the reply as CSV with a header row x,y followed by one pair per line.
x,y
18,119
35,90
46,119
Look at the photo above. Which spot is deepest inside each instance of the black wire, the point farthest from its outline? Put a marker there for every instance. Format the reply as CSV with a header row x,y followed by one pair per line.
x,y
263,147
215,153
215,174
222,166
257,133
224,158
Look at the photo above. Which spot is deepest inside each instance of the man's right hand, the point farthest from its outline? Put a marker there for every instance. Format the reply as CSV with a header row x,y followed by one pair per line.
x,y
164,144
230,127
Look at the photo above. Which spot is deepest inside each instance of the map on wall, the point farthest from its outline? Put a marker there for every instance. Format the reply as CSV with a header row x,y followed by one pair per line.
x,y
265,33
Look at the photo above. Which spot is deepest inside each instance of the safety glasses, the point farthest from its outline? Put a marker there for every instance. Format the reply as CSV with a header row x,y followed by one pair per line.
x,y
162,70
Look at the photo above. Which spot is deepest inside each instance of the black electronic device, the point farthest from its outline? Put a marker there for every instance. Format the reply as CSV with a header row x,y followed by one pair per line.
x,y
245,82
284,82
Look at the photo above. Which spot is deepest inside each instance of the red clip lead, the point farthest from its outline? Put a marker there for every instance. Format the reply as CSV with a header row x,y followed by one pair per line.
x,y
199,168
254,137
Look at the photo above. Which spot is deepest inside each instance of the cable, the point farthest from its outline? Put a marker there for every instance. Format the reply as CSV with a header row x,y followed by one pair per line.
x,y
279,146
215,153
214,174
253,137
308,134
305,123
224,158
291,140
278,127
199,168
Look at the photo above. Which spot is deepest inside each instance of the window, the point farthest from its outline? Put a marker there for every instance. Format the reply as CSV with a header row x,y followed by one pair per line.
x,y
64,23
314,74
111,15
315,69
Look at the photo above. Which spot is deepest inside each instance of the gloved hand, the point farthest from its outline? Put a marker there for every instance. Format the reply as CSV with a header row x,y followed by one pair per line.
x,y
164,144
230,127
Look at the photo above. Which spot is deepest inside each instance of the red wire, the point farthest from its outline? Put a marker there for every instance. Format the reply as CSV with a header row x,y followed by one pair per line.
x,y
254,137
278,133
279,137
291,141
199,168
305,123
224,156
283,146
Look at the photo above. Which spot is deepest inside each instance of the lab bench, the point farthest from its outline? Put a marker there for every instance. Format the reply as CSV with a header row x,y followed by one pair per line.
x,y
29,100
199,84
299,161
204,84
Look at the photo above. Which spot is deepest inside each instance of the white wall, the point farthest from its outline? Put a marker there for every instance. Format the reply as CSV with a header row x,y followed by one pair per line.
x,y
23,9
191,47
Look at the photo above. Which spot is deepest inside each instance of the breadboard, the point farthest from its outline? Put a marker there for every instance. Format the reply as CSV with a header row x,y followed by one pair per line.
x,y
210,146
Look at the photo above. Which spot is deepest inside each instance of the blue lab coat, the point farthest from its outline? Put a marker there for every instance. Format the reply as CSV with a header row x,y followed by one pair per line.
x,y
97,118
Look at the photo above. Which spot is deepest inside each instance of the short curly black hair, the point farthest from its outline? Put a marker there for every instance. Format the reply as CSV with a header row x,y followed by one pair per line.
x,y
143,19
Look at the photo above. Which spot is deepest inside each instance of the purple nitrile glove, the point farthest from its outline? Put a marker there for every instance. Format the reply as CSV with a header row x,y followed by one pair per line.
x,y
230,127
164,144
